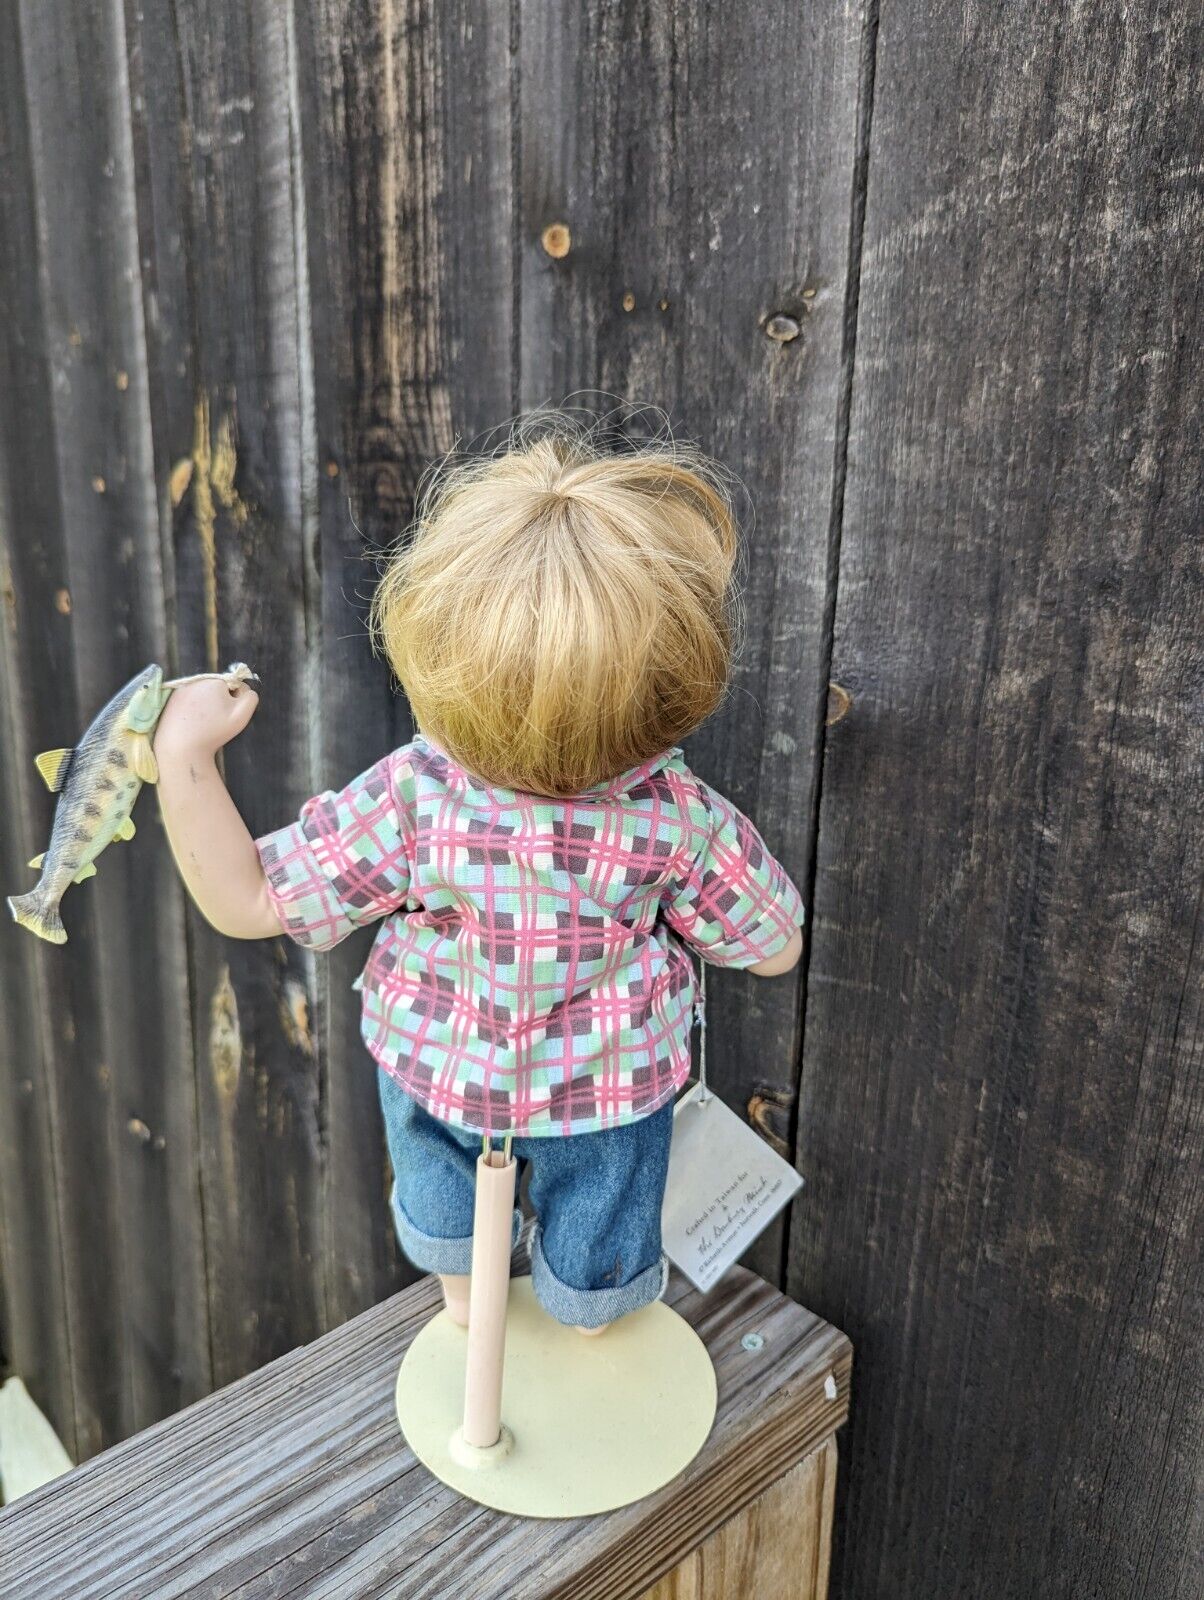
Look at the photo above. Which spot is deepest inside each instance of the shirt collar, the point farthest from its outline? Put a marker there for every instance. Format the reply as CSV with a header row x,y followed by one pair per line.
x,y
608,789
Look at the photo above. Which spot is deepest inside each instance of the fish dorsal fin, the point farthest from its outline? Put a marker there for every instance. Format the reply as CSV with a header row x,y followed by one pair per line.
x,y
127,829
145,764
38,860
53,764
88,870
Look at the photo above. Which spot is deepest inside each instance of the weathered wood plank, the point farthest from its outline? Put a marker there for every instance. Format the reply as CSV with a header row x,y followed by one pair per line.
x,y
297,1481
222,233
341,62
405,140
777,1548
130,1361
1001,1113
701,158
65,1006
152,1258
35,1333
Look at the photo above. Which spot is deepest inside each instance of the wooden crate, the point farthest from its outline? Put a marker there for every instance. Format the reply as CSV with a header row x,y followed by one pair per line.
x,y
296,1481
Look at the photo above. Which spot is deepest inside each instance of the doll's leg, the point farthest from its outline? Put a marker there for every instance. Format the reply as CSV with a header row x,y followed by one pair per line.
x,y
455,1295
596,1251
434,1189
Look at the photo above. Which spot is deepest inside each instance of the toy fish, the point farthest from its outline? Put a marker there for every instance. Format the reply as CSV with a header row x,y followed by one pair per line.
x,y
97,784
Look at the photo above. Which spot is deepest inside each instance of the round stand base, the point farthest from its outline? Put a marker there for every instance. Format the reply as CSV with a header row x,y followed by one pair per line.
x,y
594,1423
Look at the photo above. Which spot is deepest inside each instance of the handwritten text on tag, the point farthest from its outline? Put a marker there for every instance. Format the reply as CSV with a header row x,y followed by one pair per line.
x,y
725,1187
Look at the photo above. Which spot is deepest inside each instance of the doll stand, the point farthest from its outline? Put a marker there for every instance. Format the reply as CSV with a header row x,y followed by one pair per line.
x,y
527,1416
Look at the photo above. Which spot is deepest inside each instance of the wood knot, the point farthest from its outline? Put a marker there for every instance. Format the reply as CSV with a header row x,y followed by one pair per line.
x,y
782,328
225,1039
765,1108
557,240
840,703
294,1016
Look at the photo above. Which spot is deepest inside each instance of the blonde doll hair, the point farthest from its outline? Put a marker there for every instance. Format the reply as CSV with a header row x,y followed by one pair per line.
x,y
559,613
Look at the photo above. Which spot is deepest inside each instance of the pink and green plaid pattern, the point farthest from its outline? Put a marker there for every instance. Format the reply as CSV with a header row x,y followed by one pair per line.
x,y
530,975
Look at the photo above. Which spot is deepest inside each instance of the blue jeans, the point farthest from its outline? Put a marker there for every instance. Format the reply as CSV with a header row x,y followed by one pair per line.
x,y
596,1247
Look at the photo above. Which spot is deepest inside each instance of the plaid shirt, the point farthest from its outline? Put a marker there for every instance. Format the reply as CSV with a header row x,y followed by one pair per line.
x,y
529,975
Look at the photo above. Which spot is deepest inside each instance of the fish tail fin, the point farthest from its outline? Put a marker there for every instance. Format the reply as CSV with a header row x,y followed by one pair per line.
x,y
39,915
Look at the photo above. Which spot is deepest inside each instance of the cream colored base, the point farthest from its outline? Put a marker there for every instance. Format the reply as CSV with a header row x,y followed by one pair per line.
x,y
595,1423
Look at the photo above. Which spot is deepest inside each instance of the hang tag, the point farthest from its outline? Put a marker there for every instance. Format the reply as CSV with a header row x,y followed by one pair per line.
x,y
725,1187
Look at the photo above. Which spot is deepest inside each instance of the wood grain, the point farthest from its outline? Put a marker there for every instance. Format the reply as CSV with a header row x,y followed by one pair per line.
x,y
405,120
258,263
297,1481
702,159
777,1548
1003,1090
222,229
87,561
34,1271
266,263
149,1257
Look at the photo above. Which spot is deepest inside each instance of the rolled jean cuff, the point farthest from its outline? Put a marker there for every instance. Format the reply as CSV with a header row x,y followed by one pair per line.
x,y
592,1308
430,1253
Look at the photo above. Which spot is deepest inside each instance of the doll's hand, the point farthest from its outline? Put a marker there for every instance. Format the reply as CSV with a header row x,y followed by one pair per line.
x,y
200,718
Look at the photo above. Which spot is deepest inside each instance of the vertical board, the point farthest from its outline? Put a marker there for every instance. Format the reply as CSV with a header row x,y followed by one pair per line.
x,y
35,1339
117,1055
405,117
78,1080
344,71
777,1548
222,241
702,159
1002,1091
115,586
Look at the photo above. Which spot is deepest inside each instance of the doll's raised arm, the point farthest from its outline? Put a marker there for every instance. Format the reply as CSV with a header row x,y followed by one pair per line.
x,y
212,845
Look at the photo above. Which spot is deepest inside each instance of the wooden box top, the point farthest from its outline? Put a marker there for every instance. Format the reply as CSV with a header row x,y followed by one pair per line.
x,y
297,1481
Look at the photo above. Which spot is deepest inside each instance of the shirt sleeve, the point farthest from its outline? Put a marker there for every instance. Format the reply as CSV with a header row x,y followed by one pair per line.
x,y
343,863
732,902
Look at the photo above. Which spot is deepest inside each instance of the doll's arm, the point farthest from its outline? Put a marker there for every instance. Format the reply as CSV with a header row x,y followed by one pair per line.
x,y
785,960
212,845
732,901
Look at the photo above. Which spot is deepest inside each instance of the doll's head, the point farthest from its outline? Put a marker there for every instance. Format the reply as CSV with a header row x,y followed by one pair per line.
x,y
559,613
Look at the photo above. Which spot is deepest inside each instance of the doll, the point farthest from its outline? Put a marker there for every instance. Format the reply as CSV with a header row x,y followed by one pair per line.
x,y
539,858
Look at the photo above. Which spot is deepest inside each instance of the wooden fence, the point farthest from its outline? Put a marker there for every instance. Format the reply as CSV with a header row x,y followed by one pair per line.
x,y
929,281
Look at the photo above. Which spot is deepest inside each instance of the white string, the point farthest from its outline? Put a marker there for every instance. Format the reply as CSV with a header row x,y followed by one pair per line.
x,y
700,1011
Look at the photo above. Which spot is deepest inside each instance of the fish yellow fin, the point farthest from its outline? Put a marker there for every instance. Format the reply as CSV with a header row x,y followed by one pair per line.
x,y
38,860
145,764
53,764
127,829
88,870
